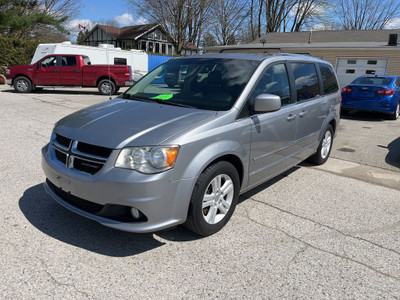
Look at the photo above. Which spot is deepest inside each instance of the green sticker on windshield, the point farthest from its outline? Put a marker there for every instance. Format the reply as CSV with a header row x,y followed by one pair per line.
x,y
163,97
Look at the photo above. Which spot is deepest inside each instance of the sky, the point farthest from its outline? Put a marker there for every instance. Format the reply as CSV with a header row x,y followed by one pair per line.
x,y
118,10
96,10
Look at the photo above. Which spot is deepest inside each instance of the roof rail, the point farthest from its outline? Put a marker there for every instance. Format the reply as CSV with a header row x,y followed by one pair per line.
x,y
251,48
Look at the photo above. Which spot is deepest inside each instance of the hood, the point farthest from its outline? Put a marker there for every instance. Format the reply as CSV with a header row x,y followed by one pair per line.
x,y
119,123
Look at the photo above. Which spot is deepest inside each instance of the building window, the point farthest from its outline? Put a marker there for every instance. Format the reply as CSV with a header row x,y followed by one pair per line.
x,y
351,61
350,71
372,62
163,49
151,47
169,49
370,72
143,45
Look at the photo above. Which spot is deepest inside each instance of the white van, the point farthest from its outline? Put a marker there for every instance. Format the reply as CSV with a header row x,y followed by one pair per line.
x,y
103,54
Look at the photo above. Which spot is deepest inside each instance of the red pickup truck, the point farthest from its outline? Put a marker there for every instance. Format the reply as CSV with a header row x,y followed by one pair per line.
x,y
68,70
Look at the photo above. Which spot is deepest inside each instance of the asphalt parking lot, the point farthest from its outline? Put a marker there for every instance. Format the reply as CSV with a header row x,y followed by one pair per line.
x,y
328,232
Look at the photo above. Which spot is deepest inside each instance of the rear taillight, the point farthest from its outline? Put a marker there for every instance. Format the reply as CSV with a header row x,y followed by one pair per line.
x,y
385,92
347,89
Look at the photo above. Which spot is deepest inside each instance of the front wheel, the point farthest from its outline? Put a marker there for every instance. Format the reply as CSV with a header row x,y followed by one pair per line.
x,y
395,115
106,87
22,85
324,148
214,199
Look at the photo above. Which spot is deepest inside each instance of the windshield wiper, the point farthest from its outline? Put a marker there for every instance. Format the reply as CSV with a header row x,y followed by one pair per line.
x,y
132,97
172,103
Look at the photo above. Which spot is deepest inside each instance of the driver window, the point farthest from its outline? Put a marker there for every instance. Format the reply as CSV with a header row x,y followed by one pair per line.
x,y
274,81
49,62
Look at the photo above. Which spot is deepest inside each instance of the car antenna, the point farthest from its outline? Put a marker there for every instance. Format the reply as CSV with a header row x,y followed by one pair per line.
x,y
108,68
263,42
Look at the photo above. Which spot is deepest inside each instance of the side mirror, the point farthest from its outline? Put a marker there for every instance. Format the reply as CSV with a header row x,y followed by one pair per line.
x,y
267,103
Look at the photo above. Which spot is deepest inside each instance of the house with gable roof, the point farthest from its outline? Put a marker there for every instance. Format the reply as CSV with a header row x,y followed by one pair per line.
x,y
147,37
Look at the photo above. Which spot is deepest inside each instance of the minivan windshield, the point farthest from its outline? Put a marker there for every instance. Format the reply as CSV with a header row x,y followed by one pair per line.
x,y
203,83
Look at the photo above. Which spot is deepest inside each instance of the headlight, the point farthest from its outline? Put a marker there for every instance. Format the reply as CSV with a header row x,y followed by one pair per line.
x,y
147,160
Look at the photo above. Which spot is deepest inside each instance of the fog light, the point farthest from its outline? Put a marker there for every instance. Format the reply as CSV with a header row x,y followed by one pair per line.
x,y
135,213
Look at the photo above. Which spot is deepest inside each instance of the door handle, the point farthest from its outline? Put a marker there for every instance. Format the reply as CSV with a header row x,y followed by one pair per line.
x,y
303,113
291,117
76,70
55,70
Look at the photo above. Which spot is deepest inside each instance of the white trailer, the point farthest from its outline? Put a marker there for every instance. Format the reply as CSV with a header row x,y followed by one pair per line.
x,y
103,54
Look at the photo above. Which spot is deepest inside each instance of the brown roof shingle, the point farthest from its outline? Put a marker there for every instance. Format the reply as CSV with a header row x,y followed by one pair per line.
x,y
127,32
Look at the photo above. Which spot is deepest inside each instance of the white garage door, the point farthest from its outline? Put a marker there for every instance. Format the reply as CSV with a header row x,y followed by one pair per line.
x,y
350,68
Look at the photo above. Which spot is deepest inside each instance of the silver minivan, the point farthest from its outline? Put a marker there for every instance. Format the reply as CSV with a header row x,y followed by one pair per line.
x,y
164,154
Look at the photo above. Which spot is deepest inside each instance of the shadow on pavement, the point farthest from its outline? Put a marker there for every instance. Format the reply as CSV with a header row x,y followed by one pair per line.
x,y
266,184
58,222
393,157
364,116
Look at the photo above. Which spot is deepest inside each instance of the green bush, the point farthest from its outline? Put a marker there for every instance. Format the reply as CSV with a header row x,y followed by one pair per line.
x,y
16,51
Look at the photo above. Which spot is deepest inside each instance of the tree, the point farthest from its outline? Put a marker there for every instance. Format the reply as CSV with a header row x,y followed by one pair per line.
x,y
30,18
182,19
227,17
366,14
81,36
208,40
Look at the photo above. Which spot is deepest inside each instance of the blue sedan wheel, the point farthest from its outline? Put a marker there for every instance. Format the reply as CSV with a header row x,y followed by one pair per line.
x,y
396,113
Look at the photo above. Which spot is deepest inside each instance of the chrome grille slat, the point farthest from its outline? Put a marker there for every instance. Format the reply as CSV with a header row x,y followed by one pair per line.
x,y
71,157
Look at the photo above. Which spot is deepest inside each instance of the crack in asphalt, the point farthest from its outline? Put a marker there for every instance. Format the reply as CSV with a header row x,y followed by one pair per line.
x,y
317,248
54,103
327,226
58,283
297,255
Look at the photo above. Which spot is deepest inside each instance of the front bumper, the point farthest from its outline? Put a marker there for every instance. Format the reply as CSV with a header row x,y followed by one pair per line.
x,y
164,203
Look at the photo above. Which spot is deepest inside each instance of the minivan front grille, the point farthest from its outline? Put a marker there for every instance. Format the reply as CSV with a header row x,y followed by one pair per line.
x,y
83,157
63,141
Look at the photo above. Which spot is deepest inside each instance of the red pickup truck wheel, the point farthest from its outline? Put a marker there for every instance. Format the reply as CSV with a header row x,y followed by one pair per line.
x,y
22,85
106,87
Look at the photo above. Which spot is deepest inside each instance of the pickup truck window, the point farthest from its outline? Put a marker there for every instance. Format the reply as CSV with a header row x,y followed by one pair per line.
x,y
86,61
49,62
68,61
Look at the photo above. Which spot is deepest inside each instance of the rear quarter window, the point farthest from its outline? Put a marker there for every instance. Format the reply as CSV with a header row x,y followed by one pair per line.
x,y
328,79
306,80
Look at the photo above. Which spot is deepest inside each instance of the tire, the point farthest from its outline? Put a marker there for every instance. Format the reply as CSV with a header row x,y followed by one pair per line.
x,y
210,209
324,148
22,85
396,113
106,87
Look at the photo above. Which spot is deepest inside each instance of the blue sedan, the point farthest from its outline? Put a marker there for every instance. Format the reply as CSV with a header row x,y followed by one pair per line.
x,y
377,93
